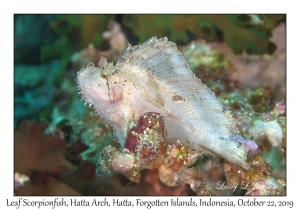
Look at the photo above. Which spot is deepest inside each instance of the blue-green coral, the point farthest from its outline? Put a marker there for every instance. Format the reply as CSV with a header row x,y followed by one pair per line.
x,y
236,30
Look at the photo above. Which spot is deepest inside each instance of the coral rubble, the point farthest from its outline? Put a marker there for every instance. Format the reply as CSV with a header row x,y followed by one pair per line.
x,y
146,147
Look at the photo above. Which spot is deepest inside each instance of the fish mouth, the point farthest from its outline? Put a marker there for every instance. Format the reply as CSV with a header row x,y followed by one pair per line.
x,y
87,75
92,85
87,71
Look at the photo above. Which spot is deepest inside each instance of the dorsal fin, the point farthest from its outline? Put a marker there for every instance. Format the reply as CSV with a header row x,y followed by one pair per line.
x,y
162,59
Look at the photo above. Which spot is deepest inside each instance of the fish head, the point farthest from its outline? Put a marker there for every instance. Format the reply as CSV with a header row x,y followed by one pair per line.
x,y
101,87
93,84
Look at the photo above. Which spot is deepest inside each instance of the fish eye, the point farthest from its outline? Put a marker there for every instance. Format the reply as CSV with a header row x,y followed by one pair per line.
x,y
103,76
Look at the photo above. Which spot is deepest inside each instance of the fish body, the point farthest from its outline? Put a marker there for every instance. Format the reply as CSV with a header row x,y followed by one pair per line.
x,y
154,77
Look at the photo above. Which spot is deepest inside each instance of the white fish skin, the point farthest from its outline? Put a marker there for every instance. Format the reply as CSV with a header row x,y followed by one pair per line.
x,y
154,77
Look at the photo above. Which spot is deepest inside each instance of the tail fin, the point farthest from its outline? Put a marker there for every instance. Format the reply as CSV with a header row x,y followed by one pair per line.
x,y
233,151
